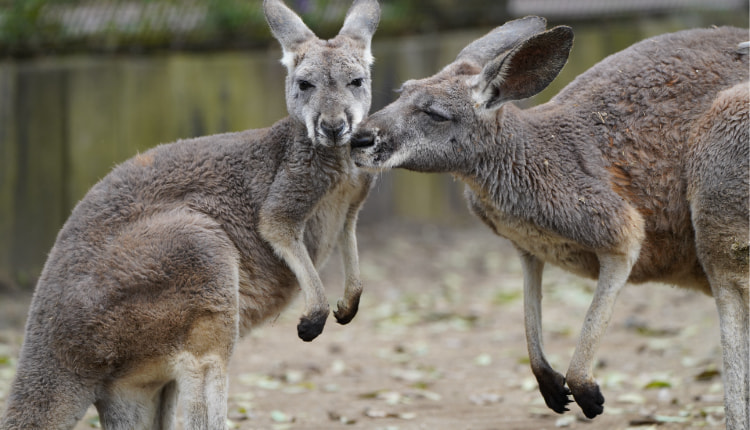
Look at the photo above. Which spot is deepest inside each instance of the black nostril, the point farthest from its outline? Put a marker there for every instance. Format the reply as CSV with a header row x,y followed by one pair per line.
x,y
333,130
362,139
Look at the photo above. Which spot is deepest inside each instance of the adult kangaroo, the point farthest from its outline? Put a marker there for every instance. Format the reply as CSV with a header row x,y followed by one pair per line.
x,y
180,250
636,171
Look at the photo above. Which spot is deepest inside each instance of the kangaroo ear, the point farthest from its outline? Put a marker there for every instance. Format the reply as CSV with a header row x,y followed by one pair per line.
x,y
524,71
361,22
500,40
287,28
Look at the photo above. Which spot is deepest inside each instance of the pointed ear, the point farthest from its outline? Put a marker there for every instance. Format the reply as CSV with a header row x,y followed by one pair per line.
x,y
287,28
524,71
361,22
501,40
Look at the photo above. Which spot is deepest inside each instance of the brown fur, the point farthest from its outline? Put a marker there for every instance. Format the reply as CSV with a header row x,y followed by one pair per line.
x,y
637,171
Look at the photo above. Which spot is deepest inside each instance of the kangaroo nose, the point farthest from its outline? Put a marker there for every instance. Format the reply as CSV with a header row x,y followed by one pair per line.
x,y
362,139
333,131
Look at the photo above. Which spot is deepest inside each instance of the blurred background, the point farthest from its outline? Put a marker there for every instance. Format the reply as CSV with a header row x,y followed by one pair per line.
x,y
85,84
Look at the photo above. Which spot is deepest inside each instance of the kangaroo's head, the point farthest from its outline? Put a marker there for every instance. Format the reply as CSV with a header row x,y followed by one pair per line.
x,y
437,120
328,81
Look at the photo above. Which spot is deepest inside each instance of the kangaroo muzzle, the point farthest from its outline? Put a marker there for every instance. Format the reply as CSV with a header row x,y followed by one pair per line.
x,y
333,132
362,139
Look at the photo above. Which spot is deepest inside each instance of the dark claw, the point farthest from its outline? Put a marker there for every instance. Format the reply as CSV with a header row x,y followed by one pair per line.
x,y
311,326
553,389
591,400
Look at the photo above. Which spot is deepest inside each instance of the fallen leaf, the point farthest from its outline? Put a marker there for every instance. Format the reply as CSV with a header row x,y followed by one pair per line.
x,y
261,381
293,376
670,419
334,416
280,417
484,399
529,384
483,360
424,394
369,395
614,380
658,384
642,422
390,397
633,398
375,413
338,367
565,421
504,297
708,374
379,413
408,375
331,388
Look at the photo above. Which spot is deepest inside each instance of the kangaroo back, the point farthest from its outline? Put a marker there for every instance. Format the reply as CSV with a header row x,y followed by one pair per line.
x,y
664,85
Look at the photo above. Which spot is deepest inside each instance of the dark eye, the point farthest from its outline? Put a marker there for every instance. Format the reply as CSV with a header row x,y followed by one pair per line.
x,y
356,83
436,116
305,85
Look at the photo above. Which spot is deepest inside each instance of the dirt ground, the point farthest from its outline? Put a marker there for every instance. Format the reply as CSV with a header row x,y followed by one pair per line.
x,y
439,344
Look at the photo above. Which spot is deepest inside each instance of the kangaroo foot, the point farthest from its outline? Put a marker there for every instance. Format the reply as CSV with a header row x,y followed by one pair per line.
x,y
589,398
553,389
345,312
310,326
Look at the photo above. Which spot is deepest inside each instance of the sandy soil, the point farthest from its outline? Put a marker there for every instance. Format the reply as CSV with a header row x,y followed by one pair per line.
x,y
438,344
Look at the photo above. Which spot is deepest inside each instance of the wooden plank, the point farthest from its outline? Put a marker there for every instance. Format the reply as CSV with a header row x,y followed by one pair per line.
x,y
39,195
93,129
7,171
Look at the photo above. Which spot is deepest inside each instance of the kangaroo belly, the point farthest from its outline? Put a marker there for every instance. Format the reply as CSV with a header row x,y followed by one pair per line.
x,y
547,246
324,227
663,258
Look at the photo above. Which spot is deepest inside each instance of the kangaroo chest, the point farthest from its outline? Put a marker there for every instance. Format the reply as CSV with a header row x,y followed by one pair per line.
x,y
328,218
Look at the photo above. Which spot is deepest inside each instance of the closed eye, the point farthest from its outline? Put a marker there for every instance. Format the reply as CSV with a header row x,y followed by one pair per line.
x,y
436,116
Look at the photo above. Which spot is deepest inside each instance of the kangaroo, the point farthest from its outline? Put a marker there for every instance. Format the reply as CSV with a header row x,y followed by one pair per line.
x,y
636,171
181,250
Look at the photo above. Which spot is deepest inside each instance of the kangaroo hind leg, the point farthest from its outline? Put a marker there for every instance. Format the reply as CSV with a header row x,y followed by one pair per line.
x,y
551,383
719,194
202,382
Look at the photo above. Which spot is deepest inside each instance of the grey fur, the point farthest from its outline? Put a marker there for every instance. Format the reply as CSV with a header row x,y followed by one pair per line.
x,y
636,171
181,250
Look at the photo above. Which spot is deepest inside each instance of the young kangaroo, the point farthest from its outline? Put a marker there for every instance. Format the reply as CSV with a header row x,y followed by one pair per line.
x,y
181,250
637,171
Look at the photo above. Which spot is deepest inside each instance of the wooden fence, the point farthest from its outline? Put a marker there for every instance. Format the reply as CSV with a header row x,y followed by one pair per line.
x,y
65,122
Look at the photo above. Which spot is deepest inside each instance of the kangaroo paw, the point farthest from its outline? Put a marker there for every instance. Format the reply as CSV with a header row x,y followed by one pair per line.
x,y
590,399
310,326
556,394
343,313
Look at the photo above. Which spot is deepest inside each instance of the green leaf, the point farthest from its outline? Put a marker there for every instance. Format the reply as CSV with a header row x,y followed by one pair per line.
x,y
658,384
708,374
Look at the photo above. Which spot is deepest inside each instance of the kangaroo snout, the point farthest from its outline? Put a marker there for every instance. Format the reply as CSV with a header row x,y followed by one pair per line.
x,y
368,149
333,130
362,139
